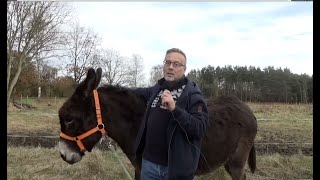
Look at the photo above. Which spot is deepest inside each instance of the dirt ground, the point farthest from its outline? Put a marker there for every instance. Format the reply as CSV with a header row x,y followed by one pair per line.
x,y
48,142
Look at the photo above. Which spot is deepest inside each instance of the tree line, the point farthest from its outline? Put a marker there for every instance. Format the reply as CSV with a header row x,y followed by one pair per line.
x,y
253,84
250,84
117,70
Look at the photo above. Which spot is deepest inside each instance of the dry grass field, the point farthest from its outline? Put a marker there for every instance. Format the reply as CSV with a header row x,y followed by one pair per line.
x,y
45,163
286,124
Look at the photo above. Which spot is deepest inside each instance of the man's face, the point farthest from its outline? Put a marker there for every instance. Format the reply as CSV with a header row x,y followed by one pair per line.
x,y
174,67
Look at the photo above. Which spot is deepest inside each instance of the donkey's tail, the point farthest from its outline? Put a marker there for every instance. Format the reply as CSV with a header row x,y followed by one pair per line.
x,y
252,159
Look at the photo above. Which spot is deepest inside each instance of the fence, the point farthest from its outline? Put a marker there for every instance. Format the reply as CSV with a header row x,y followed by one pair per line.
x,y
284,148
55,114
26,100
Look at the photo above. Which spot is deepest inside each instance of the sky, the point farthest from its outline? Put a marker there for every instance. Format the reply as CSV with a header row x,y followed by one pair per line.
x,y
259,34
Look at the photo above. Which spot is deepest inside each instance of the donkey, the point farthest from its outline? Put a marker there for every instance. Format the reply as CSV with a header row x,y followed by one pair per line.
x,y
229,140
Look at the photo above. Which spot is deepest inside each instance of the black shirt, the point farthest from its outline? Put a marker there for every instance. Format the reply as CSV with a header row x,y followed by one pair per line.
x,y
156,147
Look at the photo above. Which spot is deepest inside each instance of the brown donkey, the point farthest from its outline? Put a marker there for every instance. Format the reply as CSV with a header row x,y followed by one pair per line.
x,y
116,111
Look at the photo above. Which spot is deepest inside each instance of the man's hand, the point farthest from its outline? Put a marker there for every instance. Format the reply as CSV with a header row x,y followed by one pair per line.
x,y
167,100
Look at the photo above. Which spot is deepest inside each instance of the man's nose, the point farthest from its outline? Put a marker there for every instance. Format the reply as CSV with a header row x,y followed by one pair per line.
x,y
171,66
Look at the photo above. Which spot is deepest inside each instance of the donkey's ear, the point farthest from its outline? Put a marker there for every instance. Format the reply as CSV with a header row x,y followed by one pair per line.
x,y
98,77
90,74
86,87
90,82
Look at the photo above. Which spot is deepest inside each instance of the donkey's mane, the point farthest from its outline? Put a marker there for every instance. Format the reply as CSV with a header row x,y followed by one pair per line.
x,y
118,90
115,88
125,98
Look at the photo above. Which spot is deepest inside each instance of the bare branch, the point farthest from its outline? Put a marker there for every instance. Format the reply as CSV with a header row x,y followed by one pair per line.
x,y
156,74
80,49
32,29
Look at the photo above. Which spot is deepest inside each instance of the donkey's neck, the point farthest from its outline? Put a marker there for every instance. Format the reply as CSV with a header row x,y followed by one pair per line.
x,y
123,113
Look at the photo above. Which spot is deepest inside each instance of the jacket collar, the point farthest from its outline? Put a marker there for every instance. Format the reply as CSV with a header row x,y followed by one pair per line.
x,y
164,84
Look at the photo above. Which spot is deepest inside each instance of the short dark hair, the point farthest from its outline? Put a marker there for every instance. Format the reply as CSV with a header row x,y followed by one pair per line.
x,y
177,51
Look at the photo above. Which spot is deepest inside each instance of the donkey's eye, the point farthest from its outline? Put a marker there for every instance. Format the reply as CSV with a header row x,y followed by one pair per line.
x,y
68,122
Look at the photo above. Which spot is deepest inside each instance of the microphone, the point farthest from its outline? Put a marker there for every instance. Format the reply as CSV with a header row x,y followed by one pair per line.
x,y
165,104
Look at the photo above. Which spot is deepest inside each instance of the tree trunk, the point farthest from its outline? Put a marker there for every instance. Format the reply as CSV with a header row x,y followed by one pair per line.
x,y
9,62
14,80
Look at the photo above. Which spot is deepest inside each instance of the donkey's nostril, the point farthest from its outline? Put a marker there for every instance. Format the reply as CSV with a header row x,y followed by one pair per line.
x,y
63,157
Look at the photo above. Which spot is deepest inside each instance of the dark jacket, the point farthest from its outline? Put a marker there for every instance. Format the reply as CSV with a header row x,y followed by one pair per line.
x,y
185,129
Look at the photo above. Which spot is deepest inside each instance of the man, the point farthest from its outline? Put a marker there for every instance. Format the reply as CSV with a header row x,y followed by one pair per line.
x,y
176,119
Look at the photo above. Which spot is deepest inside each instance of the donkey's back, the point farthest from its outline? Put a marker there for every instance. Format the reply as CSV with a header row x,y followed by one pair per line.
x,y
230,137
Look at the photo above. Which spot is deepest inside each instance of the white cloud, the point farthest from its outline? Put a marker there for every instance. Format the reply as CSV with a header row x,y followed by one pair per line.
x,y
259,34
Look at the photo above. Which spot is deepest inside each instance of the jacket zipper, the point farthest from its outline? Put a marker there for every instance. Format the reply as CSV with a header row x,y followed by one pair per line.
x,y
146,119
169,148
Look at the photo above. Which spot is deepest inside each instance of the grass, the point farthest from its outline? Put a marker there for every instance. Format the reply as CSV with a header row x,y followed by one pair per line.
x,y
281,111
42,163
290,123
43,120
32,124
284,167
48,105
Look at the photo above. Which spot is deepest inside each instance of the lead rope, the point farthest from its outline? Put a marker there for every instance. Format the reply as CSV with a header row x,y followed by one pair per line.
x,y
204,158
117,157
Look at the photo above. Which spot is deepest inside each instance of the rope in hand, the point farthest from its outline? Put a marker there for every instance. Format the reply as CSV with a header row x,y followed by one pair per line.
x,y
117,157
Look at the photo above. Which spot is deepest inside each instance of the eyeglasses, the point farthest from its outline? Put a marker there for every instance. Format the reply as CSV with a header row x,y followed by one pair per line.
x,y
175,64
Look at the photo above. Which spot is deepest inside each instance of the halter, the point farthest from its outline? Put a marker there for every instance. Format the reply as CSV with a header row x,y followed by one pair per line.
x,y
99,127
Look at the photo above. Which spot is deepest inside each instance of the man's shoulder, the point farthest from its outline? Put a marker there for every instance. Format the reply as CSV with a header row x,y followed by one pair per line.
x,y
193,87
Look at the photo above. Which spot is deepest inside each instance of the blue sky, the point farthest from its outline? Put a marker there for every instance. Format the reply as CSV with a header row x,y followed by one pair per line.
x,y
260,34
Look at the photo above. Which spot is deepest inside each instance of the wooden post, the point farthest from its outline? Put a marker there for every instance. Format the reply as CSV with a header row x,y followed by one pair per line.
x,y
39,93
21,101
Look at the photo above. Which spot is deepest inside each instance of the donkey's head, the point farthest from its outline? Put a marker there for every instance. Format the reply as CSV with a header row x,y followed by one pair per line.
x,y
77,117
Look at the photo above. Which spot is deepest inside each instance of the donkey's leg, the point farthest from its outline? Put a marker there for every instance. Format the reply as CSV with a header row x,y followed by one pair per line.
x,y
236,163
137,168
137,174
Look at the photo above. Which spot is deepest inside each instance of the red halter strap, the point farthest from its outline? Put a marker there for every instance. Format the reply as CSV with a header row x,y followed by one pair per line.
x,y
99,127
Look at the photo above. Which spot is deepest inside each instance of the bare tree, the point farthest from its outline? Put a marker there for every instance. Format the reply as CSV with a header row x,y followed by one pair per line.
x,y
81,44
114,66
136,76
156,74
33,28
47,77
